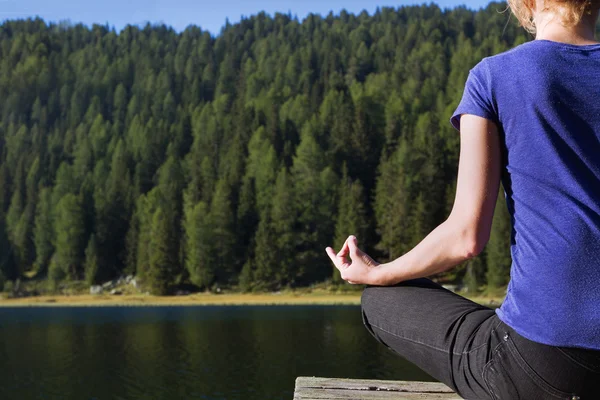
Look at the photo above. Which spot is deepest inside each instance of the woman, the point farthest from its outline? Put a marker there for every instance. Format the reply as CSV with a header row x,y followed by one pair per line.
x,y
529,117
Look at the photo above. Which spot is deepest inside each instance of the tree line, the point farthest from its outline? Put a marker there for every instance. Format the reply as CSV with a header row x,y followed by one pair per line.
x,y
234,160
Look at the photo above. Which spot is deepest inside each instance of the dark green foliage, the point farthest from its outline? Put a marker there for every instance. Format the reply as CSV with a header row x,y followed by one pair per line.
x,y
161,272
188,158
221,224
284,217
267,270
498,249
43,231
352,218
315,191
91,261
7,261
199,256
69,240
392,202
475,274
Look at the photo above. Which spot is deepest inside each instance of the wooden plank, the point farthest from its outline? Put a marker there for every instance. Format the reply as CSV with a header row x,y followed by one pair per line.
x,y
314,394
359,384
308,388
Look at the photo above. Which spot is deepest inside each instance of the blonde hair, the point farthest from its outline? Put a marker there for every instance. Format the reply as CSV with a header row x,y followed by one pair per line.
x,y
570,11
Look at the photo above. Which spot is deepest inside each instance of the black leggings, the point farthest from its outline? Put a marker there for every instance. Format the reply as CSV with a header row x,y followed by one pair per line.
x,y
466,346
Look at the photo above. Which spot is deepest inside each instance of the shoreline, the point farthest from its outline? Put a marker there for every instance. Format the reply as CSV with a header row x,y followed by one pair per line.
x,y
202,299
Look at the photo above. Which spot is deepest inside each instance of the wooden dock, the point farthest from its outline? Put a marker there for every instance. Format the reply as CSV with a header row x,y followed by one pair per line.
x,y
351,389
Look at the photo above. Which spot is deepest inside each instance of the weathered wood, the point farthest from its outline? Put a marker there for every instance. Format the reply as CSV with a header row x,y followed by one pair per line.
x,y
351,389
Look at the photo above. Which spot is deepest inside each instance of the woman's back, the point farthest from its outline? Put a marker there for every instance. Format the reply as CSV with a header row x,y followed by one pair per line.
x,y
543,96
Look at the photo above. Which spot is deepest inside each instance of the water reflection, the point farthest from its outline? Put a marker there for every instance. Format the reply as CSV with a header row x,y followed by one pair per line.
x,y
185,353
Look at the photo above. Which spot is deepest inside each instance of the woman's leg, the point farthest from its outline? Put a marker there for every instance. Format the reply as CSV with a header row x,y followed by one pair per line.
x,y
444,334
466,346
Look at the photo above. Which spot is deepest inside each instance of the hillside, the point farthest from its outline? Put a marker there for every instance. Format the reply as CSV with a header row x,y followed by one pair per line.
x,y
189,159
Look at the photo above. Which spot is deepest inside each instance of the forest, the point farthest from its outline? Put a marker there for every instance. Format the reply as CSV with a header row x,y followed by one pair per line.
x,y
233,160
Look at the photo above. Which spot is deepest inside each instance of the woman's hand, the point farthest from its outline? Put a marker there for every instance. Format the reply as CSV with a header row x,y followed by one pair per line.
x,y
360,269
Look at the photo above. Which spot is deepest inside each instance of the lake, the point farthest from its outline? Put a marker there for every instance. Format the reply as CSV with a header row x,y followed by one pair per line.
x,y
247,352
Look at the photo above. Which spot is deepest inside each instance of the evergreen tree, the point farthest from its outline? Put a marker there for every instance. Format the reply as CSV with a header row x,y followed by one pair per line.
x,y
475,274
222,230
160,275
69,239
392,203
427,169
498,248
43,231
267,268
284,219
352,218
146,207
7,262
4,183
199,261
307,172
91,261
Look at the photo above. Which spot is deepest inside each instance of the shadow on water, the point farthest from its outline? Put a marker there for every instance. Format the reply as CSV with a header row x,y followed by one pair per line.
x,y
250,352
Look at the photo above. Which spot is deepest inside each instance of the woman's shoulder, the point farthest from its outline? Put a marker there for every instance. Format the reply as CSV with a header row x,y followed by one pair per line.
x,y
507,56
521,60
537,52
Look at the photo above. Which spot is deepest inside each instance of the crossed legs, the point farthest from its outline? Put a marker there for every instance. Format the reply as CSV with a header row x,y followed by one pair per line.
x,y
444,334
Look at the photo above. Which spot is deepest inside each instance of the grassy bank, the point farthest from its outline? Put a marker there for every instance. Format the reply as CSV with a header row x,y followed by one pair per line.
x,y
190,300
202,299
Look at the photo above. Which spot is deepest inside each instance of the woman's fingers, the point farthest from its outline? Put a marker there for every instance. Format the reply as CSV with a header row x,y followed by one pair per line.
x,y
340,259
353,247
333,256
345,249
358,259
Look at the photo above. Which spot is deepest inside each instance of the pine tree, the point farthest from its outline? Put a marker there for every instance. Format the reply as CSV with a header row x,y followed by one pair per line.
x,y
15,219
8,268
160,276
392,203
143,220
262,168
199,261
284,217
314,211
352,218
222,226
5,184
427,168
498,248
112,216
69,238
475,274
64,183
247,218
91,261
43,232
366,141
267,268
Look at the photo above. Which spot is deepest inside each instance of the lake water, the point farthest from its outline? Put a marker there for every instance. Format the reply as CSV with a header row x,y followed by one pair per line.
x,y
250,353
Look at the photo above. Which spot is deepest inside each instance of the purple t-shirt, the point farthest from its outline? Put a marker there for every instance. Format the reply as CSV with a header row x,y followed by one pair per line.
x,y
545,98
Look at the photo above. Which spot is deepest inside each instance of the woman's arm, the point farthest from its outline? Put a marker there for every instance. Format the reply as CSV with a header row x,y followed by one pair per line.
x,y
467,230
462,236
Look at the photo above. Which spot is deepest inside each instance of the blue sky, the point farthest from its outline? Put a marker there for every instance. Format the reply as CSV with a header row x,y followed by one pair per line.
x,y
208,14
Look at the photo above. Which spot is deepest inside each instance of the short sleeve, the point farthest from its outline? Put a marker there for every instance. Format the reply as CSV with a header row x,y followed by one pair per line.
x,y
477,97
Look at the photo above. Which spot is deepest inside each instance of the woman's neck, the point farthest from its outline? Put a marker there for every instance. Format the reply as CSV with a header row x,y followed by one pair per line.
x,y
549,27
